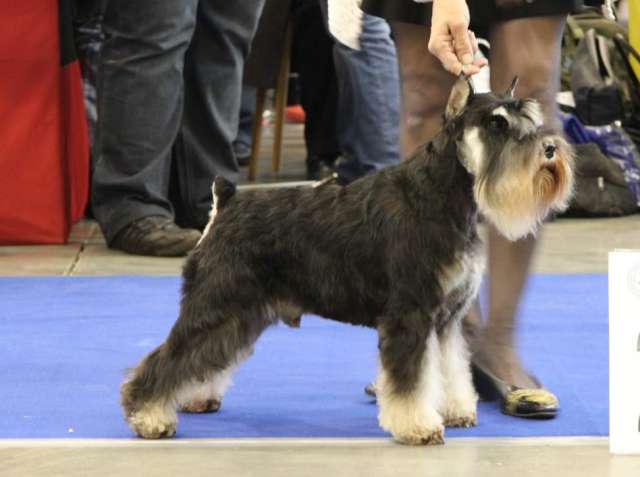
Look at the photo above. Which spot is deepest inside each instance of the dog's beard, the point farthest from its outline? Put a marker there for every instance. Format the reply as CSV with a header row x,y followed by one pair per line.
x,y
517,198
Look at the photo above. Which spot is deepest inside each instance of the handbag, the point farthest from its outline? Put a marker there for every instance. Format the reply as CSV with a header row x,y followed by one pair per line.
x,y
607,170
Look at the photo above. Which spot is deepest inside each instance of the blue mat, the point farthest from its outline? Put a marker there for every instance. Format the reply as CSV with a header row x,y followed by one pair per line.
x,y
64,343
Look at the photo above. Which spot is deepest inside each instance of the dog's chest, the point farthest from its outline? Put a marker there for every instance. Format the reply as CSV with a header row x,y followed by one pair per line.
x,y
460,282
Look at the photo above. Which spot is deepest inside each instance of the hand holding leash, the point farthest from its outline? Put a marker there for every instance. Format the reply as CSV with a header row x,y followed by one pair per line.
x,y
451,41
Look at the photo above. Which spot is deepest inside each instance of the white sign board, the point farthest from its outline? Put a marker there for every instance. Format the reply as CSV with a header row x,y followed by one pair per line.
x,y
624,352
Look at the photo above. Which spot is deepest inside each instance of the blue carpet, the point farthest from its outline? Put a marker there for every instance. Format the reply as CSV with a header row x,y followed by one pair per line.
x,y
64,343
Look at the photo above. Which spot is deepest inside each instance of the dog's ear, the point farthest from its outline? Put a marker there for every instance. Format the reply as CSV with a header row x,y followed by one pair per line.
x,y
512,89
459,97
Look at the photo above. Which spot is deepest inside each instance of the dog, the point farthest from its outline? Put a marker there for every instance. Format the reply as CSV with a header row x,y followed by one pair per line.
x,y
397,251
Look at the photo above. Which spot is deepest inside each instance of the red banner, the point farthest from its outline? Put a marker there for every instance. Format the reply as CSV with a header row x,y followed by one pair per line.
x,y
44,151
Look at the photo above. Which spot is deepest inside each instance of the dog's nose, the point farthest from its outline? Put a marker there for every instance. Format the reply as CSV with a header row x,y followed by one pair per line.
x,y
549,151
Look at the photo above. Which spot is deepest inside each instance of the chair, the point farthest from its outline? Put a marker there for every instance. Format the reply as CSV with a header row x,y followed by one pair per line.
x,y
280,103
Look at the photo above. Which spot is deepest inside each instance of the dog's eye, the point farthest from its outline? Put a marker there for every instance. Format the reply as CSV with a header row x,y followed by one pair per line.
x,y
498,123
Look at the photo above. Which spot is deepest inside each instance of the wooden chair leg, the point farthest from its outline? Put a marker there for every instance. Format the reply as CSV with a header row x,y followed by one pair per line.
x,y
282,90
256,133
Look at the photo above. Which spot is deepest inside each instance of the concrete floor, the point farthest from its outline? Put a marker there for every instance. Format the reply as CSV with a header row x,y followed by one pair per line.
x,y
568,457
550,457
575,246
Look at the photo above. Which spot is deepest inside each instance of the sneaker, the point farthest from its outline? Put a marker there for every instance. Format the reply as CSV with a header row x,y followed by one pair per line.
x,y
156,235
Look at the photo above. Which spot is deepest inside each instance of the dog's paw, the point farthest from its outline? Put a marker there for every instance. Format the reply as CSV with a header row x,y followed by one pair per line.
x,y
157,432
153,422
421,437
201,406
461,413
147,430
461,421
411,426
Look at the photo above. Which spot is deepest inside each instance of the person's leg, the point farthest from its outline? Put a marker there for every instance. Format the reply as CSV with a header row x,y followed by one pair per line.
x,y
242,143
312,58
87,25
538,70
369,101
139,108
509,262
425,87
214,64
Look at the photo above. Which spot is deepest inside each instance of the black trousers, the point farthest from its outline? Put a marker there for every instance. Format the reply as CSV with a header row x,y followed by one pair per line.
x,y
312,59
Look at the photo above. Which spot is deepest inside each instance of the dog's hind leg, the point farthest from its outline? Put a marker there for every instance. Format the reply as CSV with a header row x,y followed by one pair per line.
x,y
459,407
206,396
409,386
198,351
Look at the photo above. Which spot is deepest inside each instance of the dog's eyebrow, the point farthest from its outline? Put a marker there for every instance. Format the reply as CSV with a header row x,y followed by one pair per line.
x,y
501,111
531,110
511,118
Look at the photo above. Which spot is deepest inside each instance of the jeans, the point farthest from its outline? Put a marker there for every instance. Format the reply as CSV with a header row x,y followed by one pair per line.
x,y
88,40
168,90
369,104
247,111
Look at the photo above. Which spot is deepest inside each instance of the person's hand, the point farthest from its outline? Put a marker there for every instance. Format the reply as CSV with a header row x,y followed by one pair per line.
x,y
451,41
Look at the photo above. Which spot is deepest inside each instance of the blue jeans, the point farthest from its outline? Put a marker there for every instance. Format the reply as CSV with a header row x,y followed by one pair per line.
x,y
168,90
369,104
247,111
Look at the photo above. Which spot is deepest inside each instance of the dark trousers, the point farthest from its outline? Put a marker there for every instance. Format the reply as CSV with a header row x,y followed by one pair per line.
x,y
168,89
368,102
312,59
87,28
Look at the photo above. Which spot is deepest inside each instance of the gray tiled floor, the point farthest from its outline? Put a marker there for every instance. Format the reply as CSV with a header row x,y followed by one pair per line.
x,y
566,246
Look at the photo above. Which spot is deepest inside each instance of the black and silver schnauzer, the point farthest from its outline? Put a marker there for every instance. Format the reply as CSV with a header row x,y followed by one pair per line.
x,y
397,251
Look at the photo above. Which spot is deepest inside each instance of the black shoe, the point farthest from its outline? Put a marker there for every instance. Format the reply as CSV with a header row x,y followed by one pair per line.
x,y
535,403
314,169
243,153
157,236
319,167
370,390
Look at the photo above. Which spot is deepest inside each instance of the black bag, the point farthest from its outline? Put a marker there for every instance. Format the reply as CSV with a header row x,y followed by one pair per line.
x,y
596,67
601,189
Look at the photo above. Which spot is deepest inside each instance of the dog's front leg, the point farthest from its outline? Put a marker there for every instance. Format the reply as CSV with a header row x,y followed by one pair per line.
x,y
410,385
459,407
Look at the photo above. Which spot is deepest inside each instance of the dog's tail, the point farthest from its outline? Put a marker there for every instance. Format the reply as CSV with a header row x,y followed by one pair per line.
x,y
223,190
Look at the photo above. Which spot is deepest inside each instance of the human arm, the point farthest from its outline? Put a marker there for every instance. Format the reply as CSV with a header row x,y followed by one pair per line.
x,y
451,41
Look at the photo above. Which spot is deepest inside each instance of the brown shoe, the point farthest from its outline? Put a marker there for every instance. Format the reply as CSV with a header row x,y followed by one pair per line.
x,y
157,236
